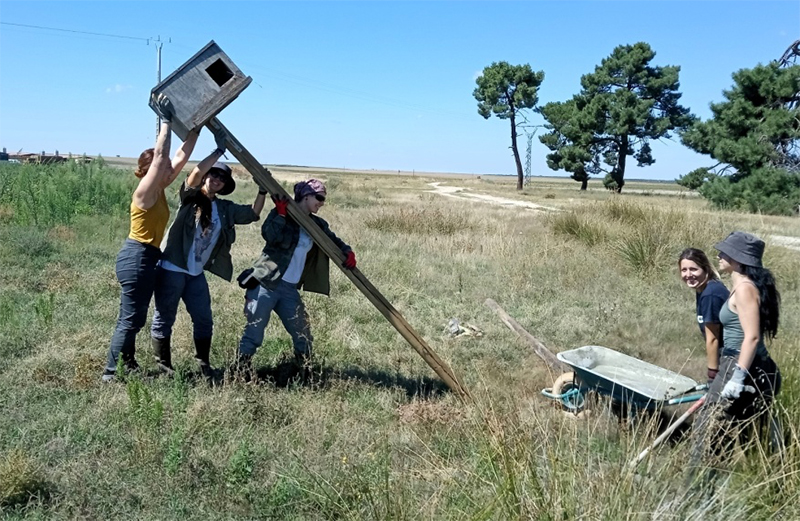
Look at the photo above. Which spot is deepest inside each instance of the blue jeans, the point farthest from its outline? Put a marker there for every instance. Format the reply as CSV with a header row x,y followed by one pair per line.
x,y
285,301
171,287
136,273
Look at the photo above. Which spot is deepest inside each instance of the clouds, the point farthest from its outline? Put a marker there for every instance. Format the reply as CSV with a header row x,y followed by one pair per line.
x,y
118,88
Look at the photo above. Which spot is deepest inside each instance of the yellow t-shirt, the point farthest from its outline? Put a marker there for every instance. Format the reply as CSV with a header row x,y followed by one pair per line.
x,y
148,226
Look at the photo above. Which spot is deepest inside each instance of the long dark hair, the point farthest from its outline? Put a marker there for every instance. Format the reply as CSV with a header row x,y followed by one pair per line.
x,y
700,258
202,209
769,299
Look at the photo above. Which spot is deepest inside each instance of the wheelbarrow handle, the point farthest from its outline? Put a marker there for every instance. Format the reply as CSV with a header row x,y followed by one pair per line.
x,y
664,435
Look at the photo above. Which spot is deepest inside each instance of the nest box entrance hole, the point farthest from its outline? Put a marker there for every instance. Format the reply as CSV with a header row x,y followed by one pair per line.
x,y
219,72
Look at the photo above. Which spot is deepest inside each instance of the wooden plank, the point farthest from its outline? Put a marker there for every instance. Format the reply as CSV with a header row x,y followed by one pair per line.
x,y
539,348
264,177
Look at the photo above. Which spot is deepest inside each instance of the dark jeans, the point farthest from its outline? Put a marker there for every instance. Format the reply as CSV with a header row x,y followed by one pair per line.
x,y
285,301
721,421
171,288
136,270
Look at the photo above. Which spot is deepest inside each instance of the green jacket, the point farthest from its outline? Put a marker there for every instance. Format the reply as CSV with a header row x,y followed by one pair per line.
x,y
181,233
281,235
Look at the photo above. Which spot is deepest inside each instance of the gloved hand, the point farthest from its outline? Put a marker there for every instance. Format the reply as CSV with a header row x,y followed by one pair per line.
x,y
350,261
220,138
262,190
281,205
164,108
712,373
735,386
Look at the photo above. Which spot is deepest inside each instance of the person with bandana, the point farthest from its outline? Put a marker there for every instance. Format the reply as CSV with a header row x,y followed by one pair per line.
x,y
290,261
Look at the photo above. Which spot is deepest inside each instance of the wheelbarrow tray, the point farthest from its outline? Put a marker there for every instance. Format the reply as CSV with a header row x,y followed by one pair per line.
x,y
624,377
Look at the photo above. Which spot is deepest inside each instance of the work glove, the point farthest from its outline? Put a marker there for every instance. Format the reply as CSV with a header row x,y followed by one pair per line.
x,y
164,109
262,190
712,373
735,386
350,261
281,205
220,138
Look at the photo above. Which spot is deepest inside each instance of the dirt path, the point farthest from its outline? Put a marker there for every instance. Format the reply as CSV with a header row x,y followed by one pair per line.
x,y
457,192
793,243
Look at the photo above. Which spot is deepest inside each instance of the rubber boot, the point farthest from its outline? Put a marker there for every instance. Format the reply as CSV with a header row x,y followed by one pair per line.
x,y
163,354
202,347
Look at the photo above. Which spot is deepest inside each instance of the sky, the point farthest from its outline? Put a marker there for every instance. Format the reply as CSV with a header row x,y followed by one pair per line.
x,y
360,85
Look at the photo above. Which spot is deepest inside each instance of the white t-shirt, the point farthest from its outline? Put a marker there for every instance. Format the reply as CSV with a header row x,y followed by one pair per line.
x,y
202,246
295,269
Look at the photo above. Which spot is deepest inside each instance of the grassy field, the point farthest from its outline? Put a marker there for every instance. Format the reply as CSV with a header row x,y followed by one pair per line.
x,y
372,434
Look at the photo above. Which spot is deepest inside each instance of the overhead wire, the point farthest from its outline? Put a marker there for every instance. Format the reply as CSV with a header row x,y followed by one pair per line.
x,y
29,26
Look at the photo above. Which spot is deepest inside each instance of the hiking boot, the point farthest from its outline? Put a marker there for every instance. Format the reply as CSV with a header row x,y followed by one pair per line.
x,y
162,352
242,367
129,366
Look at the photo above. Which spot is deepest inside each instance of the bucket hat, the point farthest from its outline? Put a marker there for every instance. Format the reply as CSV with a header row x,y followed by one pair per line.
x,y
745,248
227,177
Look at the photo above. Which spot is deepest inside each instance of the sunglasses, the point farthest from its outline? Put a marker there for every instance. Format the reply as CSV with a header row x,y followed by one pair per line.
x,y
218,175
320,198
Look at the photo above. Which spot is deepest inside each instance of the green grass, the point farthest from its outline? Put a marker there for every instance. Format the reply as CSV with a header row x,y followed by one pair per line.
x,y
372,434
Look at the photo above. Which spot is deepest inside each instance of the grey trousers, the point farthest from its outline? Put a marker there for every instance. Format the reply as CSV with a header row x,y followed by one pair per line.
x,y
286,302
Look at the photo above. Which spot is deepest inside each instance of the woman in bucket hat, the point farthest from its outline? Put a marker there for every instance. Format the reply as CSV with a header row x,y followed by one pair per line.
x,y
748,378
136,262
290,260
200,239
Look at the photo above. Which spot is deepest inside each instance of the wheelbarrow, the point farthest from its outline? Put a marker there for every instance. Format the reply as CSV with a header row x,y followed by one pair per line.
x,y
628,381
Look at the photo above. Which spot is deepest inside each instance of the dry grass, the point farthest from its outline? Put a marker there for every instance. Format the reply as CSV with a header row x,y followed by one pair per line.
x,y
371,434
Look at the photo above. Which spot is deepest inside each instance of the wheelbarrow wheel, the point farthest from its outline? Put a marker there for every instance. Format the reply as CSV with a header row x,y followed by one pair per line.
x,y
574,402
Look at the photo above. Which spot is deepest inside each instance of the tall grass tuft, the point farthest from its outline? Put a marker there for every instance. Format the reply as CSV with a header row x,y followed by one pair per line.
x,y
578,226
425,220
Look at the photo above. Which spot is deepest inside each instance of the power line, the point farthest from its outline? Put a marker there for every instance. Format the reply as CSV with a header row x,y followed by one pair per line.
x,y
78,32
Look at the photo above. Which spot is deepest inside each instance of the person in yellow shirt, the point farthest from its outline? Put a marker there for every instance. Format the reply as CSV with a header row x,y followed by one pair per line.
x,y
136,261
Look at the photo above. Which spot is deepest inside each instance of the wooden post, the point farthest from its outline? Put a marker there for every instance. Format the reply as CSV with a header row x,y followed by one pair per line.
x,y
264,177
539,348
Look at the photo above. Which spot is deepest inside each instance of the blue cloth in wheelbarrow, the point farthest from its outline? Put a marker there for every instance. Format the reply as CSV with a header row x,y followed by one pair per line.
x,y
624,377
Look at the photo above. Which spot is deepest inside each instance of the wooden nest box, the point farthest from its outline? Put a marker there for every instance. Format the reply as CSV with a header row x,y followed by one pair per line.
x,y
200,88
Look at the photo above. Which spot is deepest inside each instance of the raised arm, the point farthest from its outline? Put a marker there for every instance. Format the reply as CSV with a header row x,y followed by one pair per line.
x,y
180,159
149,188
196,175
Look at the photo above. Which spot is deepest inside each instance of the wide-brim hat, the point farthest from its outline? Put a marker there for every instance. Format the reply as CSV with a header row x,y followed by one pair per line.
x,y
227,176
745,248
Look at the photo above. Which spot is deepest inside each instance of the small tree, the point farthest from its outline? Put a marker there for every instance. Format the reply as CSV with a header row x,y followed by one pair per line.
x,y
622,105
505,90
754,135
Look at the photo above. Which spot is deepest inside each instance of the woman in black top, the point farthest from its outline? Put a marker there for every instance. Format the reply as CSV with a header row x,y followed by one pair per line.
x,y
698,274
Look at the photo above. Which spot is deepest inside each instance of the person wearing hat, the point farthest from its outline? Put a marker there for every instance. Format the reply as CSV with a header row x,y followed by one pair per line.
x,y
748,378
290,260
136,261
200,239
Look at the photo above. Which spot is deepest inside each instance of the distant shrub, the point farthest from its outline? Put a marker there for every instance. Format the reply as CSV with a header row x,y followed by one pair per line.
x,y
419,221
766,190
